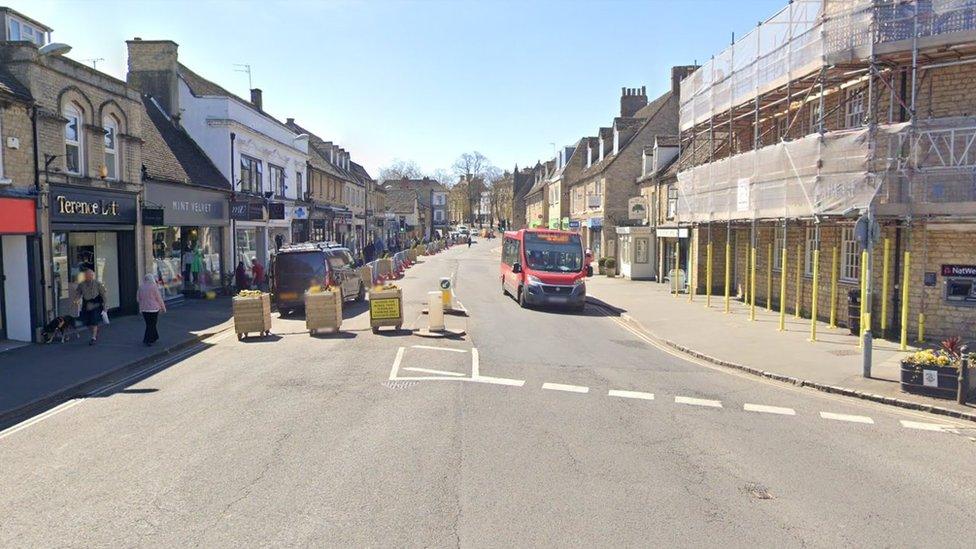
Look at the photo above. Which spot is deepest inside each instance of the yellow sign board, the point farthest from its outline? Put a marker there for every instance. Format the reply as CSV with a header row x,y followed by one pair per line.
x,y
384,309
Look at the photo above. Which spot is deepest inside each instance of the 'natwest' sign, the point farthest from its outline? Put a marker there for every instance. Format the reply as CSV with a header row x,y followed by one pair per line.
x,y
959,271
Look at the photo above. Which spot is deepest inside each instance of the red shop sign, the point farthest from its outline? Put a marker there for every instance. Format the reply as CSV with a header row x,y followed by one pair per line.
x,y
17,216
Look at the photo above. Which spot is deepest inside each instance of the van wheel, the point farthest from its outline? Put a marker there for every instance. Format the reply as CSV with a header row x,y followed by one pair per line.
x,y
521,299
361,294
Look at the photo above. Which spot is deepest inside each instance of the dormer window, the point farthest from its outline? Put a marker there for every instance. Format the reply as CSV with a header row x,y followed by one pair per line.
x,y
589,156
601,149
616,140
18,30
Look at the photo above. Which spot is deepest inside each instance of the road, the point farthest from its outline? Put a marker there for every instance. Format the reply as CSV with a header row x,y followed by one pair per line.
x,y
536,428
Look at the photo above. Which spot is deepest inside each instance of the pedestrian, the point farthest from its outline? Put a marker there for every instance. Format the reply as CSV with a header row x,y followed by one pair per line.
x,y
469,241
93,296
240,276
150,304
257,274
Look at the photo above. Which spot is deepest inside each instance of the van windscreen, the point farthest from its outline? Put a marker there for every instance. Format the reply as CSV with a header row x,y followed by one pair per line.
x,y
299,271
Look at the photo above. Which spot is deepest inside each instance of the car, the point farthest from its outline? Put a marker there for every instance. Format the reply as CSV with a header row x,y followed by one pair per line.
x,y
296,268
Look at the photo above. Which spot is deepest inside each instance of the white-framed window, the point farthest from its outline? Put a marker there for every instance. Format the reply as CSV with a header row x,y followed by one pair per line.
x,y
439,215
299,185
850,256
815,116
782,127
111,128
73,140
778,248
18,30
277,175
672,200
616,141
854,115
811,242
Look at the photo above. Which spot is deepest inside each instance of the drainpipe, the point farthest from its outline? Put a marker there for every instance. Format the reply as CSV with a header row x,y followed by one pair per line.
x,y
233,193
895,321
37,214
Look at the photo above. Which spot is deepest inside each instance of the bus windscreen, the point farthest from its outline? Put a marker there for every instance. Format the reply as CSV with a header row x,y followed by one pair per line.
x,y
554,252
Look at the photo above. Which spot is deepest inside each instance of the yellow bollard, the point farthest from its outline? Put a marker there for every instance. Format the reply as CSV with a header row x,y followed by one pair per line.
x,y
921,327
677,265
904,301
799,280
728,274
745,282
813,303
782,293
833,287
708,274
769,278
752,283
884,285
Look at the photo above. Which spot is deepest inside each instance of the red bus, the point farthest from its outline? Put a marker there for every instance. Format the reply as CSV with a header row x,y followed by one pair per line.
x,y
544,267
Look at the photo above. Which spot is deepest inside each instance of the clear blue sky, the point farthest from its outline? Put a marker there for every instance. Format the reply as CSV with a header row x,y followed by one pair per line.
x,y
421,80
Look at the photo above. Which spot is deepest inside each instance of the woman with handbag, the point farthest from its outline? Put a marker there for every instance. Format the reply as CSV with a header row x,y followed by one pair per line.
x,y
93,296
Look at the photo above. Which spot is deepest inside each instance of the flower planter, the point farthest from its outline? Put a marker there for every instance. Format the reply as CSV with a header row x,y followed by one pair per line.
x,y
323,311
943,381
252,314
610,271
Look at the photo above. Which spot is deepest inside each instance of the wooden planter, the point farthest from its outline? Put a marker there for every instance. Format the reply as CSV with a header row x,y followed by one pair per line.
x,y
323,311
252,314
913,380
385,308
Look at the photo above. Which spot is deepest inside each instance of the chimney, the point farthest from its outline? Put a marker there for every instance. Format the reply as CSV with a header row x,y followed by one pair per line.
x,y
256,99
290,121
678,74
154,70
631,101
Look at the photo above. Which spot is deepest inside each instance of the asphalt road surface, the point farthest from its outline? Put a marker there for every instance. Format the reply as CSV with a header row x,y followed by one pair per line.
x,y
538,428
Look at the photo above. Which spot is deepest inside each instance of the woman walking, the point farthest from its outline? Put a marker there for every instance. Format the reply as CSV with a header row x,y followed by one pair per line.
x,y
240,277
150,304
93,297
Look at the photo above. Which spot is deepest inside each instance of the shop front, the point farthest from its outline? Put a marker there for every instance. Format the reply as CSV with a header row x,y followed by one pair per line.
x,y
93,229
250,231
321,224
343,226
672,243
279,228
186,238
637,258
300,230
18,227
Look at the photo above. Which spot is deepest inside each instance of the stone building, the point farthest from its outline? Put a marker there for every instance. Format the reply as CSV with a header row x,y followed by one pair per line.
x,y
85,172
871,117
537,197
433,198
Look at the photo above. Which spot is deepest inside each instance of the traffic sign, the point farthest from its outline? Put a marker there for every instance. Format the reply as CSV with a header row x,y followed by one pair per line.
x,y
867,231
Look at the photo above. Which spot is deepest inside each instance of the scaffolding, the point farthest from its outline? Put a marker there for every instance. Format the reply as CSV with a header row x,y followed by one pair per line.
x,y
802,54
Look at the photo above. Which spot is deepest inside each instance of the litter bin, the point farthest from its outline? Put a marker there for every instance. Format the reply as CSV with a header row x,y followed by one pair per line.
x,y
854,311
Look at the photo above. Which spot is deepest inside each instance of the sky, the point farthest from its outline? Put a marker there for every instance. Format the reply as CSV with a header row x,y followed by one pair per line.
x,y
421,80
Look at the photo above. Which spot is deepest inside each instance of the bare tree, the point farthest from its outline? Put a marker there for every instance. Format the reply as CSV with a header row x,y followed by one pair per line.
x,y
399,169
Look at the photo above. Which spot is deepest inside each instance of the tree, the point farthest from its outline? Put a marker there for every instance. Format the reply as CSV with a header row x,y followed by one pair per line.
x,y
474,173
399,169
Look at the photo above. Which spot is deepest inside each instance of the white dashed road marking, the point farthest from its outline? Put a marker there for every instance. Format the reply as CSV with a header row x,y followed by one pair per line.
x,y
432,348
847,417
434,372
698,402
567,388
769,409
631,394
940,427
499,381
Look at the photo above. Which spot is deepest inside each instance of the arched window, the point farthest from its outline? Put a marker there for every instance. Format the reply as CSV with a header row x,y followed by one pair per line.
x,y
111,147
73,140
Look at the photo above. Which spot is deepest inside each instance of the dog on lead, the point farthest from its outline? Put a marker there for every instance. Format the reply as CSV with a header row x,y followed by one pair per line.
x,y
61,326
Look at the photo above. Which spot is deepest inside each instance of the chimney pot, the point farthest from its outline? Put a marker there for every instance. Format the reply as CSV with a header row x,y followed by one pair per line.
x,y
290,120
257,99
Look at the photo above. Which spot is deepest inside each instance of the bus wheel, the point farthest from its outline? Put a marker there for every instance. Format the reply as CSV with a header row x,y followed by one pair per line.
x,y
504,290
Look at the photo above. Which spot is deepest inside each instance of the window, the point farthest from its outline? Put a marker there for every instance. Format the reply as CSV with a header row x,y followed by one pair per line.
x,y
815,116
277,175
111,148
17,31
672,200
850,265
778,248
811,243
72,140
855,109
439,215
782,127
298,185
251,175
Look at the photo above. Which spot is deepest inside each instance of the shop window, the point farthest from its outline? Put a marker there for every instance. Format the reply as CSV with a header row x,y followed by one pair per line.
x,y
251,175
811,243
111,148
850,265
73,140
72,254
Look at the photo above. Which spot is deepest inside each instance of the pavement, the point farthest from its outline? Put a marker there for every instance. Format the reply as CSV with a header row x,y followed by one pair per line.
x,y
36,377
538,427
833,362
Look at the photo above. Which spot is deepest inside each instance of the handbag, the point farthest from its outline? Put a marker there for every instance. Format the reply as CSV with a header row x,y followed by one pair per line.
x,y
105,317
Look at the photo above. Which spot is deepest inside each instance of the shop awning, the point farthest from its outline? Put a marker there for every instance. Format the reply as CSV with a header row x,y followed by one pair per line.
x,y
17,216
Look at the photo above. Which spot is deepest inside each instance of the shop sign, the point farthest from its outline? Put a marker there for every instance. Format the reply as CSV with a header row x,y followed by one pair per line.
x,y
959,271
343,216
672,233
637,209
276,210
187,205
72,205
246,211
154,217
574,224
299,212
18,216
595,222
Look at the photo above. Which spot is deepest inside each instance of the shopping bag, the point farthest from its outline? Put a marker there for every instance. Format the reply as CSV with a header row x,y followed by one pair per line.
x,y
105,317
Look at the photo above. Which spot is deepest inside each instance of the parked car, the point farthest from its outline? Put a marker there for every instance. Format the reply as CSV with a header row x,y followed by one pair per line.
x,y
296,268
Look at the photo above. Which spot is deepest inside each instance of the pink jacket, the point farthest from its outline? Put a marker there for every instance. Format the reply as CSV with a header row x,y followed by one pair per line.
x,y
149,298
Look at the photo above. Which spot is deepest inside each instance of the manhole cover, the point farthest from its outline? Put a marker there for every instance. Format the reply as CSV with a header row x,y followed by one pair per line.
x,y
399,384
845,352
758,491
